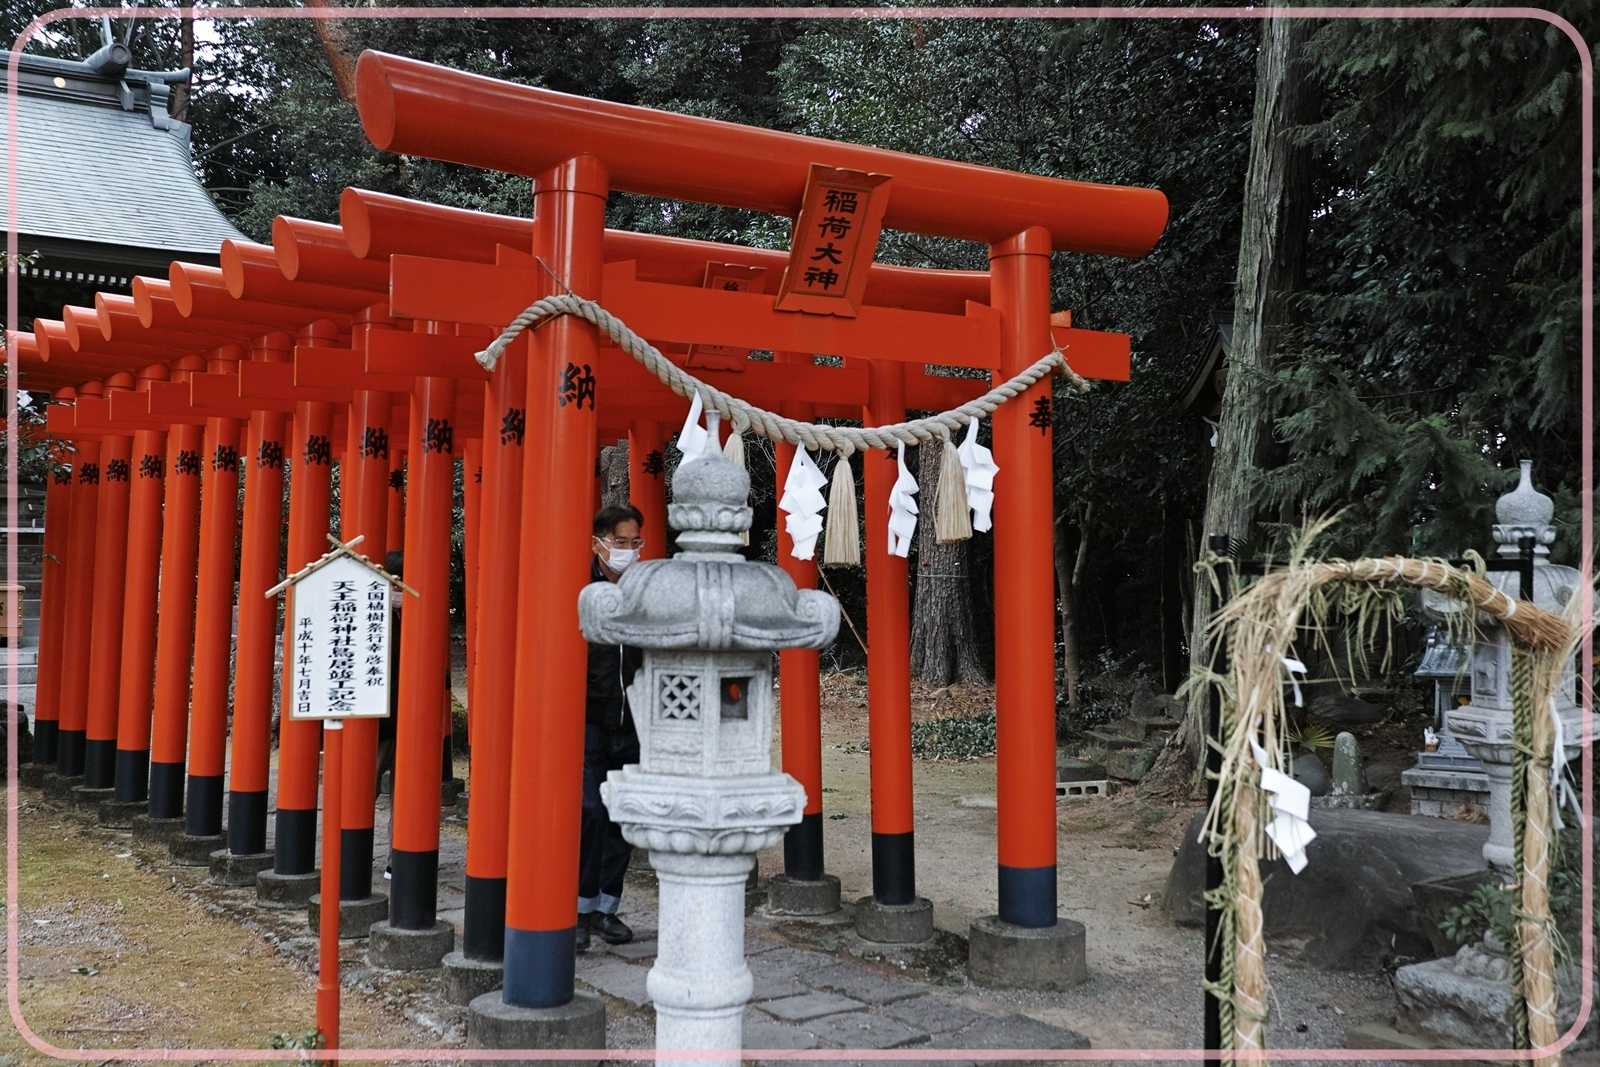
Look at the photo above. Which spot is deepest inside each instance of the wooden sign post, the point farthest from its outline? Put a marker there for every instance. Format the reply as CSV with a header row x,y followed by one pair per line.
x,y
341,629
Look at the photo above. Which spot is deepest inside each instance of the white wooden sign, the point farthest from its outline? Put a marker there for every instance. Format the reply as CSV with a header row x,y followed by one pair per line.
x,y
340,642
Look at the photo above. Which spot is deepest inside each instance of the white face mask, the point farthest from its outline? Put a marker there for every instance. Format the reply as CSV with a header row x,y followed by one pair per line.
x,y
620,559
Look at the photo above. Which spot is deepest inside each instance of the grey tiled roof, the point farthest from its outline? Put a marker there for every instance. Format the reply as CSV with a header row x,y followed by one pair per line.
x,y
88,172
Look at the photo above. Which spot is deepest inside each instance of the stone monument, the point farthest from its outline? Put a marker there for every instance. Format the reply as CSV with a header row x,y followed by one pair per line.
x,y
1484,726
703,798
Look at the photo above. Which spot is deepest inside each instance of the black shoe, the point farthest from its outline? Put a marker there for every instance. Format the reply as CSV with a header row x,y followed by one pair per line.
x,y
612,930
583,934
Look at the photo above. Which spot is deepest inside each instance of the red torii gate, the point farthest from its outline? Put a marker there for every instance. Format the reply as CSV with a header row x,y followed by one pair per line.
x,y
316,285
576,151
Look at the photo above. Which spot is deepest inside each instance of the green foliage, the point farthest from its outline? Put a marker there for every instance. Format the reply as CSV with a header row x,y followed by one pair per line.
x,y
299,1039
1492,907
1311,736
1436,340
963,738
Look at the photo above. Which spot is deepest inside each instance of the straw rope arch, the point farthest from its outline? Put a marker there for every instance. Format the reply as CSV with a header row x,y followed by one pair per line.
x,y
1258,626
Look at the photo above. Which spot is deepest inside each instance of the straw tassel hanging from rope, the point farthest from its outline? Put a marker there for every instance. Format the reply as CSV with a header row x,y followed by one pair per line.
x,y
952,517
842,544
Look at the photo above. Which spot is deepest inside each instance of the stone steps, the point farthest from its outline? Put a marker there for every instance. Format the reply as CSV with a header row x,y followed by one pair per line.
x,y
1114,741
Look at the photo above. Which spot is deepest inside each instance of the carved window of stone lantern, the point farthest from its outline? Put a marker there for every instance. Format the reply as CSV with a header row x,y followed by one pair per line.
x,y
678,696
735,698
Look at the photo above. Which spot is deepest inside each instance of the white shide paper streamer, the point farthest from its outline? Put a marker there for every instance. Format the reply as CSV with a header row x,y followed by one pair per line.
x,y
977,463
1290,801
802,502
902,508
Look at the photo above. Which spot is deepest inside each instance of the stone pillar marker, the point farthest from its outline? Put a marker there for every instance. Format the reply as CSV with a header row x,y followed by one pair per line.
x,y
704,798
1484,726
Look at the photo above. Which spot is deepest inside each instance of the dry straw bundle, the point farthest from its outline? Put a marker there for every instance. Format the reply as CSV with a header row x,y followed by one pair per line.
x,y
1364,598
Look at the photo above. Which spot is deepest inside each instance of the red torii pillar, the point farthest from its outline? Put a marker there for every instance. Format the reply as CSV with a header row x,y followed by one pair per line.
x,y
139,615
293,878
547,739
180,543
804,888
413,937
260,553
894,913
372,441
105,647
1025,606
213,629
74,681
476,968
52,601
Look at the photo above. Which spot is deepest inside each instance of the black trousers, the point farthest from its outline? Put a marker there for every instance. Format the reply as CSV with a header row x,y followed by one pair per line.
x,y
602,853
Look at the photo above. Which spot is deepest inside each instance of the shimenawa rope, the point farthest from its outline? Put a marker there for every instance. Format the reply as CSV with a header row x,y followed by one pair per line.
x,y
745,416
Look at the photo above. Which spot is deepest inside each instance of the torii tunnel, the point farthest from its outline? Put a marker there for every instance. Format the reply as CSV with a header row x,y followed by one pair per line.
x,y
351,346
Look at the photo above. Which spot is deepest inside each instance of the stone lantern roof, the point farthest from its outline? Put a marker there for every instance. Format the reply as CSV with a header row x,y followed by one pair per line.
x,y
708,596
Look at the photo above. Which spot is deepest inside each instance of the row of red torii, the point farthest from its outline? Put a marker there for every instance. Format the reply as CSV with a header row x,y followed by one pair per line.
x,y
353,344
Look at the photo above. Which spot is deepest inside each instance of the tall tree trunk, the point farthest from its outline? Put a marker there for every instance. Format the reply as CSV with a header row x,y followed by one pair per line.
x,y
336,48
944,647
614,475
182,91
1271,258
1071,567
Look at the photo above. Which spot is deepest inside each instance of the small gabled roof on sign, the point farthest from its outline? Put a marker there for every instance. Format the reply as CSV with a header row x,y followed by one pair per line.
x,y
341,549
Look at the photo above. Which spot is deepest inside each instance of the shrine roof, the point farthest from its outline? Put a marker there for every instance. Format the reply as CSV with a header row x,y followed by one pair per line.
x,y
101,167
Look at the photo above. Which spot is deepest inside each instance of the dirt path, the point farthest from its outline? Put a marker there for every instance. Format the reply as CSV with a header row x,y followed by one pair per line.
x,y
113,956
1113,855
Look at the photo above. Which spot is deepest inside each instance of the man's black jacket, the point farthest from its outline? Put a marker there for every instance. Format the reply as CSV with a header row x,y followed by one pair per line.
x,y
611,670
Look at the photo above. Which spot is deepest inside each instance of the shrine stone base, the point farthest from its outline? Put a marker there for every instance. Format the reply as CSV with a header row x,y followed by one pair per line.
x,y
119,814
60,786
356,917
894,924
796,897
396,949
578,1024
154,831
190,851
287,890
228,868
89,798
1445,794
32,774
466,979
1005,956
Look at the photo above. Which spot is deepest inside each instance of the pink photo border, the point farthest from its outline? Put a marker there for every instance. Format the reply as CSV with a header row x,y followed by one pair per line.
x,y
1585,177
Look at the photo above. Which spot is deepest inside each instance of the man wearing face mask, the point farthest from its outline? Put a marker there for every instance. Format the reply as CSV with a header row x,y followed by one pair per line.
x,y
609,742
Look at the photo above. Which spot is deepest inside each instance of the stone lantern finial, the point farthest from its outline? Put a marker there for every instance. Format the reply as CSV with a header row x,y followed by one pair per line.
x,y
710,500
1524,512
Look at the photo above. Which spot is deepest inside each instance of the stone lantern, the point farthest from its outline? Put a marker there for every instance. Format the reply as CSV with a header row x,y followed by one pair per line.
x,y
703,798
1484,725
